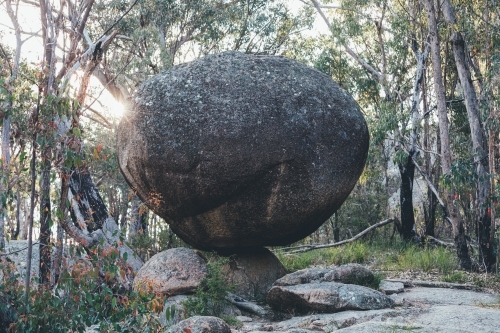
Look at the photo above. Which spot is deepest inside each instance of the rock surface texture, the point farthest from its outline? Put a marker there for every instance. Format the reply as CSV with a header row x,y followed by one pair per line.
x,y
326,297
253,274
171,272
241,151
350,273
389,288
200,324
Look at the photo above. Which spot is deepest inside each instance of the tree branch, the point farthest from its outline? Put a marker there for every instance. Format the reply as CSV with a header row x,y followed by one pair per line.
x,y
361,234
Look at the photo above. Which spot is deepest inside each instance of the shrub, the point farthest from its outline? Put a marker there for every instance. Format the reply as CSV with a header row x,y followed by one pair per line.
x,y
84,296
210,296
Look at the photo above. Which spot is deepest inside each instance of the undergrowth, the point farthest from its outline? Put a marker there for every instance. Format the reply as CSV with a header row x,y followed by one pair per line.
x,y
351,253
384,255
85,295
210,297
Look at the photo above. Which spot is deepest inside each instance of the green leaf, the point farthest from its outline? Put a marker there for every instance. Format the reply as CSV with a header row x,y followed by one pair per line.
x,y
77,132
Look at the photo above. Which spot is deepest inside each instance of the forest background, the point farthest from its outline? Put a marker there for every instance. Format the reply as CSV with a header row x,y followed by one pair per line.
x,y
425,74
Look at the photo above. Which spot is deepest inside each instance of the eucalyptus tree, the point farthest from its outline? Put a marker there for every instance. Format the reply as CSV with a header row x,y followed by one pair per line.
x,y
160,33
480,150
377,37
456,84
7,106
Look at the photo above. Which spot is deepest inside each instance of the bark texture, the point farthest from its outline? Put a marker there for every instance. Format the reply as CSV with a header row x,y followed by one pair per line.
x,y
480,153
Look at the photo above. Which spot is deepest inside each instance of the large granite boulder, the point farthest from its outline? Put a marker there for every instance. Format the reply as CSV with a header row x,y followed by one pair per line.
x,y
171,272
326,297
240,151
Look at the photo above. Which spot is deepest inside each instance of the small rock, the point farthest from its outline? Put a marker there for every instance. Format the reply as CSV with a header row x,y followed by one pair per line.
x,y
200,324
326,297
171,272
389,287
244,319
350,273
173,310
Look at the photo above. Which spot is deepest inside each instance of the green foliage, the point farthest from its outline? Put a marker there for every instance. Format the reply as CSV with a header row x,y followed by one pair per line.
x,y
356,252
455,277
80,299
395,255
142,243
414,258
210,297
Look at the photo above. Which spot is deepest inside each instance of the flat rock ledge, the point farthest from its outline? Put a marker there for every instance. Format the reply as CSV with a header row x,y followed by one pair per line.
x,y
390,287
350,273
326,297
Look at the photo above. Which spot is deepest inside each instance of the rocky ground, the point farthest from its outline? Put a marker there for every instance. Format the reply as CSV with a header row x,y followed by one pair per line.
x,y
419,309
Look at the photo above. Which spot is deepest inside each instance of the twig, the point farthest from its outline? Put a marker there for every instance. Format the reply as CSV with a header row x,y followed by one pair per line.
x,y
440,242
433,189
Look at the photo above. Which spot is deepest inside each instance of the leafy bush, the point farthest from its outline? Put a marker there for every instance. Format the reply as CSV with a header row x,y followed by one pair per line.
x,y
210,297
84,296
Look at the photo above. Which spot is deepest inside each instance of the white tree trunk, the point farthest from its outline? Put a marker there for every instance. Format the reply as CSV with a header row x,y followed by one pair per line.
x,y
456,219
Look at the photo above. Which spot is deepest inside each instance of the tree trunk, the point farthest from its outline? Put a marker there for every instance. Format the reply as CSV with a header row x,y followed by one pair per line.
x,y
7,107
3,198
430,168
135,225
92,226
454,215
123,209
45,222
407,172
480,152
55,271
4,177
16,232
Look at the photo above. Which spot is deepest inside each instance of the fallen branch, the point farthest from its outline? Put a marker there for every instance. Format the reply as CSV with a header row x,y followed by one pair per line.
x,y
436,284
361,234
436,241
245,305
433,189
16,251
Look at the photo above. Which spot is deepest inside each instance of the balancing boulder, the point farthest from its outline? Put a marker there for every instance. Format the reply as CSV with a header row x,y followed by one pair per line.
x,y
240,151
